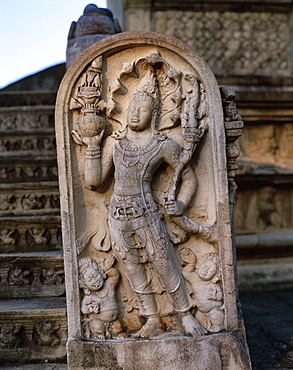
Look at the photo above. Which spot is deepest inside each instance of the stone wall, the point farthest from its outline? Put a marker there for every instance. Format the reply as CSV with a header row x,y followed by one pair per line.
x,y
233,43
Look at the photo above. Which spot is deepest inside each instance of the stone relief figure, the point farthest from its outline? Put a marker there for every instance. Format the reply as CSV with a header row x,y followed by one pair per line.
x,y
229,104
33,201
45,333
11,335
141,140
7,202
38,236
21,277
99,303
8,237
52,275
7,122
138,235
264,210
205,288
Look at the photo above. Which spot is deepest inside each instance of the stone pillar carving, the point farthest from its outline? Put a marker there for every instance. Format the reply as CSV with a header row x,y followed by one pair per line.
x,y
144,199
233,129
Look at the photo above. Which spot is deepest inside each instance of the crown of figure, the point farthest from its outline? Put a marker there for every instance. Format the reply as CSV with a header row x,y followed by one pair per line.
x,y
87,263
148,85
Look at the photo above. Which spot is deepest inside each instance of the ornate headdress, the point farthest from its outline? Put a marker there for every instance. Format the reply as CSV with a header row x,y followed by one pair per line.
x,y
87,263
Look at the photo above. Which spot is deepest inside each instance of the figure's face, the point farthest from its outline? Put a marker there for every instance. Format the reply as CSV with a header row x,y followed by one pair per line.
x,y
140,112
207,270
187,256
93,279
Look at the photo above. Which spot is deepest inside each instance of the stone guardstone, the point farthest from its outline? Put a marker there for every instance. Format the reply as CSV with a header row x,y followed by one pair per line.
x,y
147,229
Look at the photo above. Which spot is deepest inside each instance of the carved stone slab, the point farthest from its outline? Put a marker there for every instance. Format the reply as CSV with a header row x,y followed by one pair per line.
x,y
144,202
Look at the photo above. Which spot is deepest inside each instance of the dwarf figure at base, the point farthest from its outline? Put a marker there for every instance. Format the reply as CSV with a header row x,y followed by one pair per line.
x,y
99,302
205,287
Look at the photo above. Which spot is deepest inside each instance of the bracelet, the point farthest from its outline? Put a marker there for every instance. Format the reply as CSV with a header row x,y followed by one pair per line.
x,y
93,153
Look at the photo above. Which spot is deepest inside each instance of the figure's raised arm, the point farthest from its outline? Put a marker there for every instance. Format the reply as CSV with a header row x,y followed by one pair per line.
x,y
98,158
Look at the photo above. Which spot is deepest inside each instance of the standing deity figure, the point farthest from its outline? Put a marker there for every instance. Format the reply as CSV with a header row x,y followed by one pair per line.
x,y
138,235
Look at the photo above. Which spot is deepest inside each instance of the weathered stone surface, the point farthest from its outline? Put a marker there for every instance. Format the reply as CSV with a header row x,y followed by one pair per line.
x,y
31,275
34,329
24,234
163,249
258,45
94,25
218,351
268,317
264,273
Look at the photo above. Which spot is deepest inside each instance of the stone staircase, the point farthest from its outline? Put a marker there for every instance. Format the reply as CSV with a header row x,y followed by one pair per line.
x,y
33,323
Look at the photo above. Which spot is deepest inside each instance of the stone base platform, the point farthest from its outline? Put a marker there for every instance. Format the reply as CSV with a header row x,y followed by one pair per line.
x,y
213,352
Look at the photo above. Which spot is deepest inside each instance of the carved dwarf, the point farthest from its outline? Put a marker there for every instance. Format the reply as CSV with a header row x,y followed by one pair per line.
x,y
11,335
46,335
21,277
205,288
7,237
6,202
51,275
264,210
99,301
39,236
137,233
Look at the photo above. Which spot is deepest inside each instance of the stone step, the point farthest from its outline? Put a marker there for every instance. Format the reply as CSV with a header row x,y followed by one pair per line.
x,y
31,198
27,98
38,144
27,131
275,243
28,169
32,330
262,274
38,366
39,233
29,275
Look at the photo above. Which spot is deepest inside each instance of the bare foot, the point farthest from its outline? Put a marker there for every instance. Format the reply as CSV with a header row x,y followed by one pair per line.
x,y
151,328
215,328
99,337
192,326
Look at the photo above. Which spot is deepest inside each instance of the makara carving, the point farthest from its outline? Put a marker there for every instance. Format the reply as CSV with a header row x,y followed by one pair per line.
x,y
142,225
